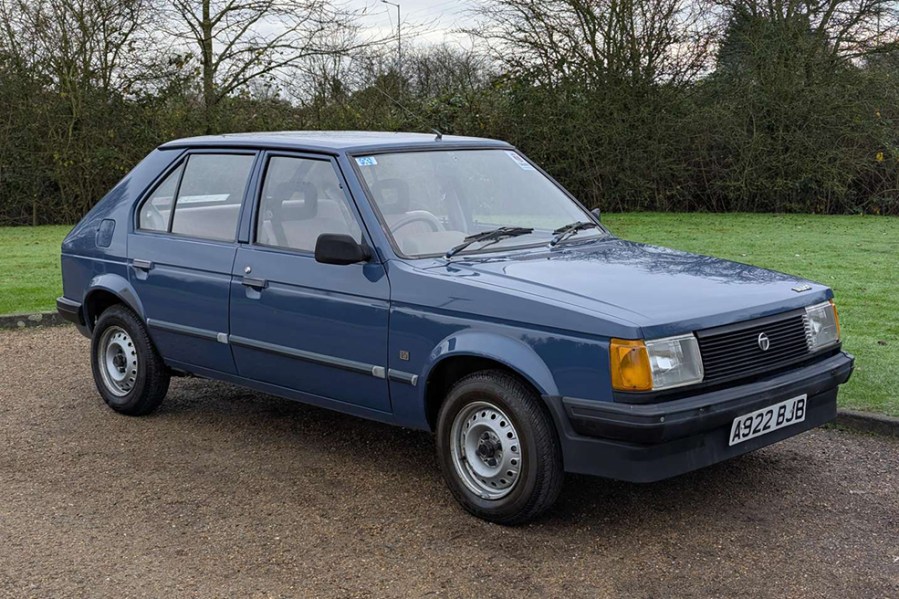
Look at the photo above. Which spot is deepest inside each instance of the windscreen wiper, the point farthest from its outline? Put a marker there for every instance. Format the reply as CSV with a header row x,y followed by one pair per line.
x,y
493,235
563,233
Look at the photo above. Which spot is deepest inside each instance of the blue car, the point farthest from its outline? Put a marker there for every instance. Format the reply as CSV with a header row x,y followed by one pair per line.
x,y
446,284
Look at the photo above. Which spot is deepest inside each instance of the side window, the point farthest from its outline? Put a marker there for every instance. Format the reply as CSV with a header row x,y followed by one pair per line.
x,y
209,198
155,212
301,199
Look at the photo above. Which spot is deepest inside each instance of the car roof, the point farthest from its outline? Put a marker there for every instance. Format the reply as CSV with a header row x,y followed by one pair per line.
x,y
333,141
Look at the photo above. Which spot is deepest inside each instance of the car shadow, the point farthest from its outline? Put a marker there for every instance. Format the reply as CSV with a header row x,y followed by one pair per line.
x,y
370,449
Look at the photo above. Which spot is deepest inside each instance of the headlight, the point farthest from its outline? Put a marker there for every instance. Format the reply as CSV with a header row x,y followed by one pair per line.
x,y
655,364
822,326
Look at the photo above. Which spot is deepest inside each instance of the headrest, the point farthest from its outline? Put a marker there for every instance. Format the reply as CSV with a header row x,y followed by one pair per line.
x,y
299,208
392,196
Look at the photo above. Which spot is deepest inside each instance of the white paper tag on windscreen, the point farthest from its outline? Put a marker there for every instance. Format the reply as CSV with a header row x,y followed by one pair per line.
x,y
521,162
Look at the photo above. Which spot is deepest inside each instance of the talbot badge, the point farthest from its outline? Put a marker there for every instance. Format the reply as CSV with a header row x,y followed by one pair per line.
x,y
764,342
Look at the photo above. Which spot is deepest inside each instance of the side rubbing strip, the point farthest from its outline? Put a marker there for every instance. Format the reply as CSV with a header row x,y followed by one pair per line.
x,y
402,377
351,365
183,329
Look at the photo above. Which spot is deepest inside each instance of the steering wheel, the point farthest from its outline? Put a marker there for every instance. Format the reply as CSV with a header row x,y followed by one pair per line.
x,y
414,217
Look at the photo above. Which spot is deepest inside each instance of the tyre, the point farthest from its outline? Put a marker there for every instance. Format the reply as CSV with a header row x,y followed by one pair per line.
x,y
128,371
498,448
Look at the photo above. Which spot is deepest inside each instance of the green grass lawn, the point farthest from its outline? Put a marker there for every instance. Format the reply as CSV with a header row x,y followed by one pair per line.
x,y
858,256
29,268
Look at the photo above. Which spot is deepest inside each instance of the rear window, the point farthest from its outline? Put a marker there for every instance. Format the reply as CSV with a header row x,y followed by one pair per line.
x,y
201,198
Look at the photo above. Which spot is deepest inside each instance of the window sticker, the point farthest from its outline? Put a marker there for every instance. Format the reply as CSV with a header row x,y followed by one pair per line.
x,y
366,161
521,162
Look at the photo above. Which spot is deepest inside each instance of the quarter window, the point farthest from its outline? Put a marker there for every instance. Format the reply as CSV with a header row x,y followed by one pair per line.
x,y
301,199
205,193
156,211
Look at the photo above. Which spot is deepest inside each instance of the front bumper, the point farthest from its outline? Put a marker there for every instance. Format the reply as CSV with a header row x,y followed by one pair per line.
x,y
649,442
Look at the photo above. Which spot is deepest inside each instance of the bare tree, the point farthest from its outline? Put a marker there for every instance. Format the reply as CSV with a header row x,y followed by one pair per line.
x,y
74,42
241,41
848,29
77,57
444,69
599,40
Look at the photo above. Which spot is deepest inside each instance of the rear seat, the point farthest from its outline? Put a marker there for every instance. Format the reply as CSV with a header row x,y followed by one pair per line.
x,y
210,222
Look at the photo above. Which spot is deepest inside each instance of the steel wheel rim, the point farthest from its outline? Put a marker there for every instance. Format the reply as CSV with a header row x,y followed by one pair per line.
x,y
117,361
486,451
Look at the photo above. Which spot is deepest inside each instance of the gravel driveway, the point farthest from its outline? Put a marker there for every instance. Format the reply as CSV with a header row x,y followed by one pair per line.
x,y
225,492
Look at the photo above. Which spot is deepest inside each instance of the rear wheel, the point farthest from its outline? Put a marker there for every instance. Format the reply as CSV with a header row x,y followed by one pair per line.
x,y
127,369
498,448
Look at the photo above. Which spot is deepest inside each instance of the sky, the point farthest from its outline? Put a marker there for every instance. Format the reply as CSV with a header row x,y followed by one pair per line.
x,y
429,21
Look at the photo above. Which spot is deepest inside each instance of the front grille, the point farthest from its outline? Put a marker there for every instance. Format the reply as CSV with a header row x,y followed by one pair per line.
x,y
733,351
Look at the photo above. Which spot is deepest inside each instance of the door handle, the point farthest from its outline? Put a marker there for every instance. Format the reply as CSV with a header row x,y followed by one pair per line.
x,y
141,264
254,282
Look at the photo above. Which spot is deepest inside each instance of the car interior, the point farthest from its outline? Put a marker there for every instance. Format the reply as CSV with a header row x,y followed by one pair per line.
x,y
416,232
302,199
294,215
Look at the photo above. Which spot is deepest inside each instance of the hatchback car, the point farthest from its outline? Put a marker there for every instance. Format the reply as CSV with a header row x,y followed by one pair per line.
x,y
446,284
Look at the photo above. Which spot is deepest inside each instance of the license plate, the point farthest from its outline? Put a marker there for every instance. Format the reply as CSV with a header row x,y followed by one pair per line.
x,y
771,418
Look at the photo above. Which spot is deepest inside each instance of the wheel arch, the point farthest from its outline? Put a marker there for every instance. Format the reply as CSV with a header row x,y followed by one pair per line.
x,y
468,352
107,290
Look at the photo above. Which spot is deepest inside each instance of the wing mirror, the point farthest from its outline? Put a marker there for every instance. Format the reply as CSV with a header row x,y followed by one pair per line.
x,y
595,212
334,248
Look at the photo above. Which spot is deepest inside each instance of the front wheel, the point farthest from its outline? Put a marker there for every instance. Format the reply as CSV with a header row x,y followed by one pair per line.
x,y
128,371
498,448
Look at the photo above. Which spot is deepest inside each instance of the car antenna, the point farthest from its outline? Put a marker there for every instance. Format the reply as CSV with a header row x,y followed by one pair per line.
x,y
414,115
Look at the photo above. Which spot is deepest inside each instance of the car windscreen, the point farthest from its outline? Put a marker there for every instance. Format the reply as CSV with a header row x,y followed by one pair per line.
x,y
430,201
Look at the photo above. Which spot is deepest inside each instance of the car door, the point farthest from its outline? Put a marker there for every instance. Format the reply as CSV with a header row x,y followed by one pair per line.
x,y
181,255
319,329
